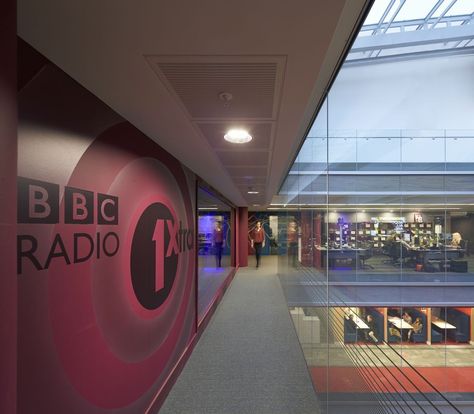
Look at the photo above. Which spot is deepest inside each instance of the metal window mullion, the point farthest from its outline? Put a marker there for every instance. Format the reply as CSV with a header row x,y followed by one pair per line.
x,y
433,25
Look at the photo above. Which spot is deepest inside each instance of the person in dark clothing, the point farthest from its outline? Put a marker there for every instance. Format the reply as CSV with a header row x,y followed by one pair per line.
x,y
372,329
218,240
292,235
258,241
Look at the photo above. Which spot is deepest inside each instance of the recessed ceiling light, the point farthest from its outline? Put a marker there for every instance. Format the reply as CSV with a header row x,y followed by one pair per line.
x,y
238,136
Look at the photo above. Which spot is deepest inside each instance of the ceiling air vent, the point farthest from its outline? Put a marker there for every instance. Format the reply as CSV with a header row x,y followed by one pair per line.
x,y
254,82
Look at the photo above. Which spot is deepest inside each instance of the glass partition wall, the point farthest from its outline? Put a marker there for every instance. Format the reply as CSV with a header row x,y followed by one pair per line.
x,y
215,244
378,269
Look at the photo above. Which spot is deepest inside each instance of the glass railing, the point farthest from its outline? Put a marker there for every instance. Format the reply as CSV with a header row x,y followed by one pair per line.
x,y
385,150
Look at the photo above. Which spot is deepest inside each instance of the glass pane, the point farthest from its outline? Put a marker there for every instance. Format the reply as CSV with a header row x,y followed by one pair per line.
x,y
379,205
214,247
461,7
415,9
377,11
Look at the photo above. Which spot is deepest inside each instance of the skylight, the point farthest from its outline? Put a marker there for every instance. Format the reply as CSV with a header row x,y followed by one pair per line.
x,y
417,9
400,28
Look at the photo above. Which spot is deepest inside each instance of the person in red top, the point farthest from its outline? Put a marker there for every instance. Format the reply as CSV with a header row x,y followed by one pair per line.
x,y
258,241
218,240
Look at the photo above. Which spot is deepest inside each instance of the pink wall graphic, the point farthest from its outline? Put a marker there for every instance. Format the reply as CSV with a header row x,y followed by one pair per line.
x,y
105,255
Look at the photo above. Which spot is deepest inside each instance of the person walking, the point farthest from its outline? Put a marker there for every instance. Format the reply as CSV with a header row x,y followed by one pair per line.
x,y
258,241
218,240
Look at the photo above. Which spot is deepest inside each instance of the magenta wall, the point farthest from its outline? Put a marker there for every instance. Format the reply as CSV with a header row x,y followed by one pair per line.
x,y
106,253
8,148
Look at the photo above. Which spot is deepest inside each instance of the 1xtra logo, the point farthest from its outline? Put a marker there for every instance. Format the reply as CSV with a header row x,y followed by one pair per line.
x,y
158,241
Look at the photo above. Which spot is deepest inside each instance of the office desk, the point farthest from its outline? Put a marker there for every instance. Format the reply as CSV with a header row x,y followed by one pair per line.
x,y
344,254
442,326
359,322
399,323
439,323
423,255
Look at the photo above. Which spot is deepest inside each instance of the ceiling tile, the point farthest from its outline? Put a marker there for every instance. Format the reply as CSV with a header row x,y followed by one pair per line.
x,y
249,180
251,84
236,158
246,170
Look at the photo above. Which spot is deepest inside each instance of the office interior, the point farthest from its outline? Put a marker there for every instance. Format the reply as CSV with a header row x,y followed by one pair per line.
x,y
371,231
384,245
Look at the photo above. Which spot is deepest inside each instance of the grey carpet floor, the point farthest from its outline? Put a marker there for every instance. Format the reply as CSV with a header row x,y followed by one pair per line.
x,y
249,359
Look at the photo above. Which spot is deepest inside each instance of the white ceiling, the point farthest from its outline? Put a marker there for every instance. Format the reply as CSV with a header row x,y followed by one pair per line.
x,y
162,65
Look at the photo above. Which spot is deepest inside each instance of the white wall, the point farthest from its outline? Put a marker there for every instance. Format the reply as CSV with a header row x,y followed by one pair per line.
x,y
419,100
431,93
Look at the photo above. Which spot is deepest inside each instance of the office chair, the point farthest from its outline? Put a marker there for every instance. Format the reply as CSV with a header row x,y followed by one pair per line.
x,y
363,257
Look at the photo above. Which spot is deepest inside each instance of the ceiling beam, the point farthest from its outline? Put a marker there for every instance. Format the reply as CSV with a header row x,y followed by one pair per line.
x,y
414,38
